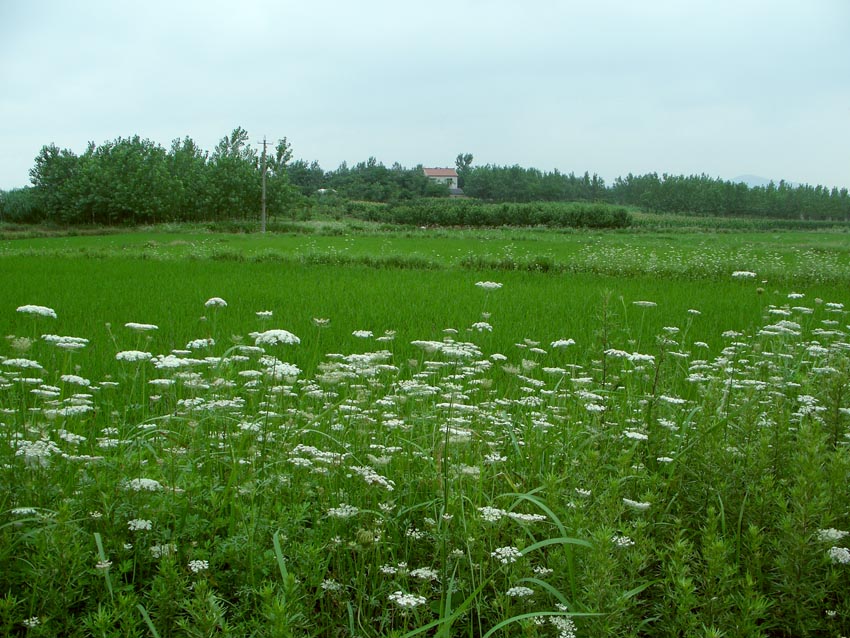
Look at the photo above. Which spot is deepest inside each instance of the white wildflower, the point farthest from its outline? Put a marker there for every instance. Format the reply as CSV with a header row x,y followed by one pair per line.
x,y
622,541
133,356
274,337
196,566
506,555
830,535
199,344
406,601
75,380
66,343
563,343
138,524
141,327
839,555
636,505
144,484
44,311
343,511
424,573
23,363
491,514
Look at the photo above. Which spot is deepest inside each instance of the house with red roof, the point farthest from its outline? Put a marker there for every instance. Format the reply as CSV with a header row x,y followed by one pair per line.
x,y
447,176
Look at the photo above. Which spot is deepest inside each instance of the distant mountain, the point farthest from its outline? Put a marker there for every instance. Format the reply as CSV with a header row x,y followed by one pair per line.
x,y
757,180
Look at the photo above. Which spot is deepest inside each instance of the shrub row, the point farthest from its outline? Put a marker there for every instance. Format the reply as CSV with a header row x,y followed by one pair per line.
x,y
464,212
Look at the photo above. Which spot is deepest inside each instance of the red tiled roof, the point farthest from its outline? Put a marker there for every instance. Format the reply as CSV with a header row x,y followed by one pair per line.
x,y
440,172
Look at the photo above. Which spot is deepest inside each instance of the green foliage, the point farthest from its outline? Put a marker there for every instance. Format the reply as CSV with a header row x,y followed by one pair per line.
x,y
702,195
463,212
134,181
20,206
518,184
463,164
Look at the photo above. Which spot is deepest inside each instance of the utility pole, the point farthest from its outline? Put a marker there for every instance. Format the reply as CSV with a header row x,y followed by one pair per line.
x,y
263,169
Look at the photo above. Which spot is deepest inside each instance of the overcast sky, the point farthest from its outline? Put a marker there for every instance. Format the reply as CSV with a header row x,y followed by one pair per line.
x,y
723,87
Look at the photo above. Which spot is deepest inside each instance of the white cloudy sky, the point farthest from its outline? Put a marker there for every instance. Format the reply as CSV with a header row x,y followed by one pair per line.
x,y
723,87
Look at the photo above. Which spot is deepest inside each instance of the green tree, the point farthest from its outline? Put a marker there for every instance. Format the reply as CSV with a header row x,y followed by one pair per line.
x,y
463,163
53,178
190,172
235,181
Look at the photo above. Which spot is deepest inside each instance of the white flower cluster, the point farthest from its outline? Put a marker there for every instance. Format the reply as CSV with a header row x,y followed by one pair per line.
x,y
133,356
392,570
43,311
75,380
141,327
37,453
23,363
373,478
329,584
138,524
636,505
406,601
343,511
839,555
198,344
831,535
488,285
215,302
274,337
144,484
634,357
196,566
744,274
520,592
66,343
277,369
424,573
622,541
506,555
563,343
565,626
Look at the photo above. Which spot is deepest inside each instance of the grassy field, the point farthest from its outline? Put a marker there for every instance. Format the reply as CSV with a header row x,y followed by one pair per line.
x,y
777,256
355,431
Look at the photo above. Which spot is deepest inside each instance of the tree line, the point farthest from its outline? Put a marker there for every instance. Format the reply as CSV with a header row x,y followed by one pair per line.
x,y
694,194
703,195
137,181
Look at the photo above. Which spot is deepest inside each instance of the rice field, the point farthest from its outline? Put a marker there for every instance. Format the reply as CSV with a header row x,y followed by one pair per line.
x,y
204,436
